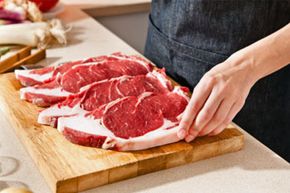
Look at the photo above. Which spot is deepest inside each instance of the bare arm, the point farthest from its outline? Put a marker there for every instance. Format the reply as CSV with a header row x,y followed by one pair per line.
x,y
268,54
222,91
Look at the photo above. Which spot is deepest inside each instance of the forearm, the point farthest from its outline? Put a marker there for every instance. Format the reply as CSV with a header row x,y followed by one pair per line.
x,y
266,55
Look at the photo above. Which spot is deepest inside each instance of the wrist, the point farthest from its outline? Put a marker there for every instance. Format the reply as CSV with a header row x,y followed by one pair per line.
x,y
247,62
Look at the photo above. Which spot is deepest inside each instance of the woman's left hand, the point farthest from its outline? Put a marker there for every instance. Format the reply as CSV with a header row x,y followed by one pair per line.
x,y
217,98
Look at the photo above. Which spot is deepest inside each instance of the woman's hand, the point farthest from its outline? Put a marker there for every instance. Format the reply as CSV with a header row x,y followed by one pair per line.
x,y
217,98
222,91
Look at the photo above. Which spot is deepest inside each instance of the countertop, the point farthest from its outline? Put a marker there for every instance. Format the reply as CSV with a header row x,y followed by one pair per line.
x,y
253,169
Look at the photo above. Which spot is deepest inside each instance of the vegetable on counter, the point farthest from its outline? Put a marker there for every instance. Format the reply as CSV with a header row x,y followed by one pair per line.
x,y
25,8
27,26
12,15
38,34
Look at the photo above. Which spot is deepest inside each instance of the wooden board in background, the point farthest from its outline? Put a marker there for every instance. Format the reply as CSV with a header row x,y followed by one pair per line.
x,y
73,168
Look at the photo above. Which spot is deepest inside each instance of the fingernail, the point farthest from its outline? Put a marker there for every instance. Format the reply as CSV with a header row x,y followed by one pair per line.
x,y
181,133
189,138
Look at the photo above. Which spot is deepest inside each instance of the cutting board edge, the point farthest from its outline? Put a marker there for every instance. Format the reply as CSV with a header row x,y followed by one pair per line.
x,y
63,184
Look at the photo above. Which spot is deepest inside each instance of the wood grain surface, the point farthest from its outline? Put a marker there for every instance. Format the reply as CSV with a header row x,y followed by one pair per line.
x,y
7,64
72,168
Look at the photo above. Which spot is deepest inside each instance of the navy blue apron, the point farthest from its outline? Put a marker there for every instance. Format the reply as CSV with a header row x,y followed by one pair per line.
x,y
189,37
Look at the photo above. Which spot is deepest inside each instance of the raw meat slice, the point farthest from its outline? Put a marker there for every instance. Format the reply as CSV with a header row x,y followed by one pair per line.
x,y
85,74
129,123
103,92
81,75
45,94
42,75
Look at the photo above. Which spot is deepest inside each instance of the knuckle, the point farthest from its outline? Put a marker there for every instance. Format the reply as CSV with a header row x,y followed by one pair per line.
x,y
211,79
205,116
241,103
185,123
195,107
218,118
197,125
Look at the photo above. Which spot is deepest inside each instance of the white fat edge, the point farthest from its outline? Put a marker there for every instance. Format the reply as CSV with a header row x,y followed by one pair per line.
x,y
86,124
166,124
45,91
160,136
82,64
121,78
143,63
179,91
88,64
109,143
160,77
46,76
142,96
92,126
112,103
118,90
59,111
37,77
103,61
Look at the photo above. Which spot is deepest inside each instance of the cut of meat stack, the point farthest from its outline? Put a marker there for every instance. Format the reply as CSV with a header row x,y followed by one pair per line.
x,y
117,102
77,75
102,92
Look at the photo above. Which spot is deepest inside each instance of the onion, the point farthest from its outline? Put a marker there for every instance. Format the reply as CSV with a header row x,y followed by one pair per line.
x,y
11,15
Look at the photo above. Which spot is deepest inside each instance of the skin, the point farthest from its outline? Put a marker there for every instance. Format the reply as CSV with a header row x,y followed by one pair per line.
x,y
222,91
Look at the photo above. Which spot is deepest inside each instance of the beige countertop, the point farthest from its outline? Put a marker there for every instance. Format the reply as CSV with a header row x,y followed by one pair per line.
x,y
96,4
253,169
109,7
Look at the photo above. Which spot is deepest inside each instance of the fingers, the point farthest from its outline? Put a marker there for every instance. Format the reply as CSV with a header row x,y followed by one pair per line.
x,y
192,133
219,117
198,98
205,115
232,113
218,130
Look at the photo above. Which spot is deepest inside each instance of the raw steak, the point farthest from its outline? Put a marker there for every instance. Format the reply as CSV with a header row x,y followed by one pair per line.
x,y
42,75
129,123
103,92
81,75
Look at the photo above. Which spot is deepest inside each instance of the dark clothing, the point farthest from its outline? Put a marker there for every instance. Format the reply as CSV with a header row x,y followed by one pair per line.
x,y
189,37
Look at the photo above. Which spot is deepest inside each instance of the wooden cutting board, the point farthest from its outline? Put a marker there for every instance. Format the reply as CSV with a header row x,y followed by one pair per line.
x,y
73,168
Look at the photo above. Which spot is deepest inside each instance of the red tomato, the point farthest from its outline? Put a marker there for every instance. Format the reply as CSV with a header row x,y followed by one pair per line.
x,y
45,5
